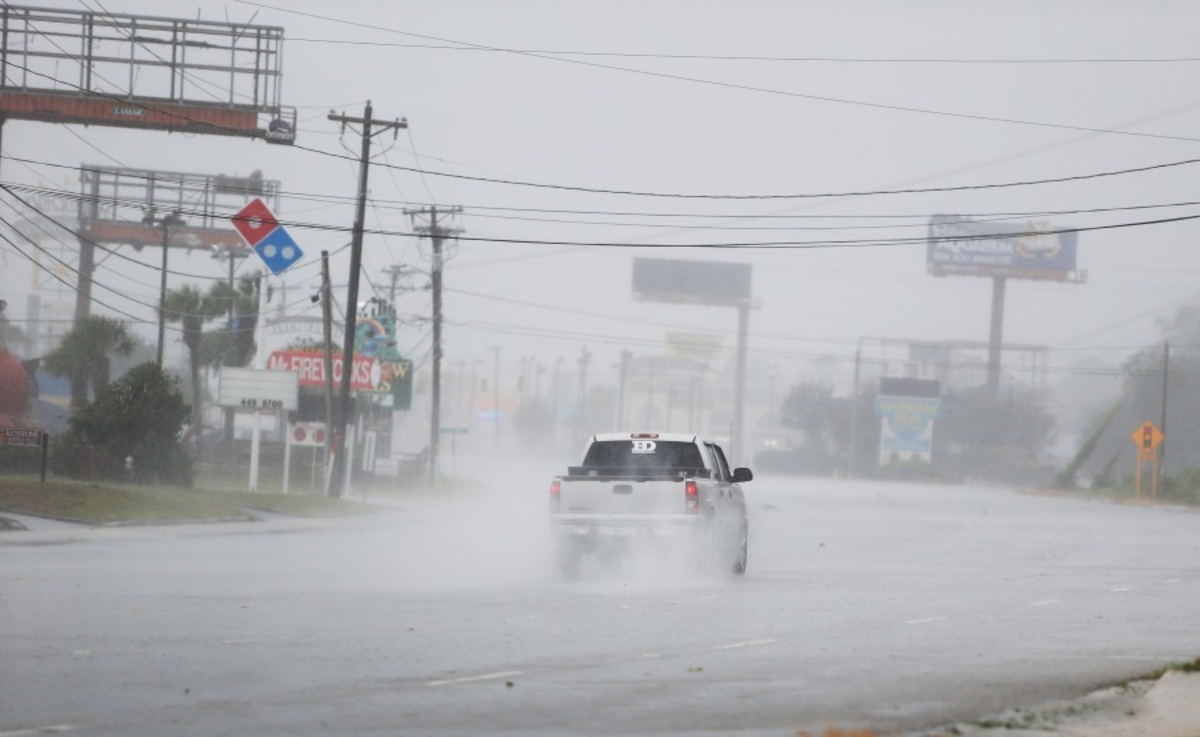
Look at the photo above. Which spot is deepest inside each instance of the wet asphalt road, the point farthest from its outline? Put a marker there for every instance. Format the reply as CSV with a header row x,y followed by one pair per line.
x,y
866,605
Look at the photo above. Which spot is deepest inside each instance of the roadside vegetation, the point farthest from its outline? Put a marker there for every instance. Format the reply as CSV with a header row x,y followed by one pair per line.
x,y
118,504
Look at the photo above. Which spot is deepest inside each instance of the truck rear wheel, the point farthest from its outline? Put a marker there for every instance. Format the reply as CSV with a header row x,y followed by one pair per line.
x,y
739,565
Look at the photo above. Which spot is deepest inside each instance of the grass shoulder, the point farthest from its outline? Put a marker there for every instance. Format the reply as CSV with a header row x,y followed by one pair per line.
x,y
115,504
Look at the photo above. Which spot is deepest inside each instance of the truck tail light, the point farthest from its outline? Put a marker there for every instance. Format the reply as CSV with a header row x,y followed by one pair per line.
x,y
692,494
555,494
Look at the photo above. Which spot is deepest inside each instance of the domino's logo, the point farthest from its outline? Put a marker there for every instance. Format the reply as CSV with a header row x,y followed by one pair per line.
x,y
269,239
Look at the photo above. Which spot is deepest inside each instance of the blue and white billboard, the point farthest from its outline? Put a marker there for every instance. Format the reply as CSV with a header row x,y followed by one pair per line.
x,y
1029,250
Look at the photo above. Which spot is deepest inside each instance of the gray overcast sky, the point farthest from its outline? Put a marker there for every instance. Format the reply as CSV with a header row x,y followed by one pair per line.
x,y
663,97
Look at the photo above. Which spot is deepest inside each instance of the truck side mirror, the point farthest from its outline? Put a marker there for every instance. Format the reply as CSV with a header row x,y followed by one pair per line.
x,y
742,475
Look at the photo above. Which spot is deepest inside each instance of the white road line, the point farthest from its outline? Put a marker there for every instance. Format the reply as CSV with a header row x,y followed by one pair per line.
x,y
1171,580
51,729
927,620
748,643
1119,590
255,640
1045,602
472,679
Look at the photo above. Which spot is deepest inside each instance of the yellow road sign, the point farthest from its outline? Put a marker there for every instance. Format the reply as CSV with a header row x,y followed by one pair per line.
x,y
1147,437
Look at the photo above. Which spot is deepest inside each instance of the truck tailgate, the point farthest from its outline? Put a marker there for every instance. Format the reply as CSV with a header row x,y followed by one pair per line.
x,y
621,497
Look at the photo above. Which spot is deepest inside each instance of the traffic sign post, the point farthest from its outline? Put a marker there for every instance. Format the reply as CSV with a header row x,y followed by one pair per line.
x,y
1147,438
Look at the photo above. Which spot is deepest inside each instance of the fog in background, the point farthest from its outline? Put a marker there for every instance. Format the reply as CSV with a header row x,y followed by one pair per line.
x,y
798,122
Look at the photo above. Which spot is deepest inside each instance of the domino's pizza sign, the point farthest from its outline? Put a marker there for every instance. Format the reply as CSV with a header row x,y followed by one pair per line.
x,y
267,237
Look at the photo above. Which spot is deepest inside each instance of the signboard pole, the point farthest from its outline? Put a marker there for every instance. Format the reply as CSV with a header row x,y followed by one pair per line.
x,y
45,453
254,443
996,338
1147,438
287,457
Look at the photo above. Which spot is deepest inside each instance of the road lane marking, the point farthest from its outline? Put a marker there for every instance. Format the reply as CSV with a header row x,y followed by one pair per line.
x,y
1119,590
257,640
1171,580
1045,602
472,679
748,643
50,729
694,601
927,620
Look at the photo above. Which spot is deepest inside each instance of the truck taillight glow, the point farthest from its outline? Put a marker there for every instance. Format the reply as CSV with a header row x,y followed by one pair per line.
x,y
692,494
555,488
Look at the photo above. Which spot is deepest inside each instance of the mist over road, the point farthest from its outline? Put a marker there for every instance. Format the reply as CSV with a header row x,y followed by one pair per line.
x,y
888,606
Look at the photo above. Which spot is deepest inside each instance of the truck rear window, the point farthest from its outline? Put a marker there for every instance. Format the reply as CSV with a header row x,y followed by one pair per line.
x,y
633,456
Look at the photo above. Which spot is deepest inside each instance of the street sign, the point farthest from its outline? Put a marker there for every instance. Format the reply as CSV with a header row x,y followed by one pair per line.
x,y
1147,437
454,431
308,433
270,240
24,437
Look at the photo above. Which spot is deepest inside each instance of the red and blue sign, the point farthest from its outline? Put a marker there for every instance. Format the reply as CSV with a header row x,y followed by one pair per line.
x,y
269,239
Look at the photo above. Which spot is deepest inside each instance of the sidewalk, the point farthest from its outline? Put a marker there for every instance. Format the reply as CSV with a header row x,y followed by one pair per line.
x,y
1166,707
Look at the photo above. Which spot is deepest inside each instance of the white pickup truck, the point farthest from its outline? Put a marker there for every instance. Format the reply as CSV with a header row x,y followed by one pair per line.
x,y
635,488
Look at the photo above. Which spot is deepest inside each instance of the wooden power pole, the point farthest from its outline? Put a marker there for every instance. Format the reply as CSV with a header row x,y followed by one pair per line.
x,y
369,128
437,236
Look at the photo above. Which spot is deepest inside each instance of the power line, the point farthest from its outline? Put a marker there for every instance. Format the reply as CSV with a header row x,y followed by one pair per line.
x,y
731,85
758,57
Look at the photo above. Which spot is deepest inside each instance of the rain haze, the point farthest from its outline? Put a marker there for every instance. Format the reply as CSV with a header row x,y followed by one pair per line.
x,y
780,228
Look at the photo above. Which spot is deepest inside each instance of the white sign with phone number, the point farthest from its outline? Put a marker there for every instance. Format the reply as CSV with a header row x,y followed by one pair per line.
x,y
258,389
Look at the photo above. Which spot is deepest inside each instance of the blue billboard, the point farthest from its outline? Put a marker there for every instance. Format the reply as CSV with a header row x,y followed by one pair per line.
x,y
1028,250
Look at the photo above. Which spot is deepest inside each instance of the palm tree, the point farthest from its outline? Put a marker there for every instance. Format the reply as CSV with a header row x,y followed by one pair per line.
x,y
84,355
235,345
188,306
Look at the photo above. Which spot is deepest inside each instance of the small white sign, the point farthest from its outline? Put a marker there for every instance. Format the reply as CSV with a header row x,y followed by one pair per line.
x,y
641,447
257,389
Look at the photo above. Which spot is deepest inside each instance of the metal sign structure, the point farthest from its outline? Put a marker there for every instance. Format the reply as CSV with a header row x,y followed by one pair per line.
x,y
114,202
960,246
148,72
1030,250
704,283
258,390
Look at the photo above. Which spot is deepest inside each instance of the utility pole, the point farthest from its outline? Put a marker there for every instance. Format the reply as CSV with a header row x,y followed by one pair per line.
x,y
1162,447
368,131
624,368
394,272
437,235
996,336
327,320
496,395
172,220
581,413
